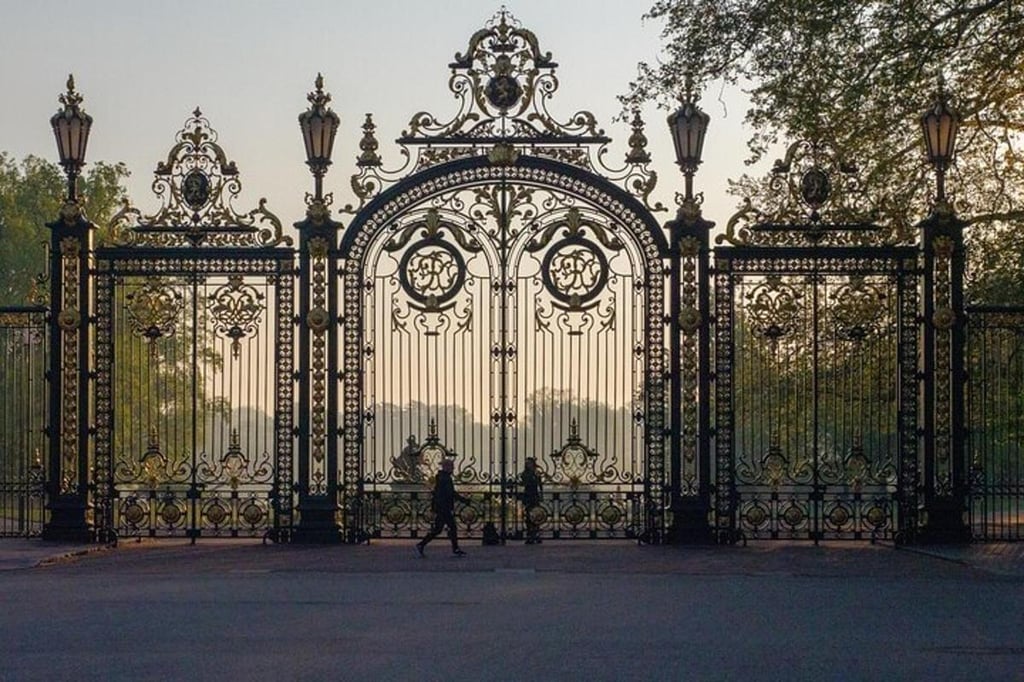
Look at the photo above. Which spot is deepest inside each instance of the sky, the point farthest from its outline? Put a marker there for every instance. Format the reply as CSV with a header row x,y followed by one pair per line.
x,y
142,67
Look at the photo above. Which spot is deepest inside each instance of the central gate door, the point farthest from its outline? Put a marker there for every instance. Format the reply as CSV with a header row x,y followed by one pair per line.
x,y
505,301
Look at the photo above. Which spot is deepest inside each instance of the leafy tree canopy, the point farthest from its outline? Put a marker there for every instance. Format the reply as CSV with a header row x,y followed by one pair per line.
x,y
858,74
31,193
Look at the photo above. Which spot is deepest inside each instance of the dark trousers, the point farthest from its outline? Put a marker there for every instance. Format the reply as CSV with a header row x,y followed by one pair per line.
x,y
442,519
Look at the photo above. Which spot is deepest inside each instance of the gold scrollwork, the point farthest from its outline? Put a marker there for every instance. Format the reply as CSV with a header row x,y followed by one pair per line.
x,y
197,185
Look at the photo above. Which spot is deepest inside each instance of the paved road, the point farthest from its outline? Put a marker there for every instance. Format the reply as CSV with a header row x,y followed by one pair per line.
x,y
587,611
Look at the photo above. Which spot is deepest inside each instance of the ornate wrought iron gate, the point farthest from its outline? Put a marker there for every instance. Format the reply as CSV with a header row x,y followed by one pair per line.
x,y
816,362
194,358
23,361
505,295
505,301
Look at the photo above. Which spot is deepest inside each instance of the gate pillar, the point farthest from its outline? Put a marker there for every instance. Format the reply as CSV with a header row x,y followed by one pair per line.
x,y
942,241
71,246
945,490
318,332
318,338
71,251
689,306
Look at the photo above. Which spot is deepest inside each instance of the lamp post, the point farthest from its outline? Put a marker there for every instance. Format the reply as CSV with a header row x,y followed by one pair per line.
x,y
942,243
71,248
319,125
940,124
318,335
689,303
71,128
689,126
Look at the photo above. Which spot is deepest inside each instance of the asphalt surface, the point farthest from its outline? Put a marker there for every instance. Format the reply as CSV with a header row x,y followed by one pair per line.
x,y
226,610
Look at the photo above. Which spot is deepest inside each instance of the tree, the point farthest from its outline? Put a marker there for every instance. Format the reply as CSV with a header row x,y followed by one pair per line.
x,y
858,74
30,196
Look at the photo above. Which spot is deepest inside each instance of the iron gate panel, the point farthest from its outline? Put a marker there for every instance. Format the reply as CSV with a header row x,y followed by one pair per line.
x,y
200,374
194,360
23,362
555,363
816,391
995,422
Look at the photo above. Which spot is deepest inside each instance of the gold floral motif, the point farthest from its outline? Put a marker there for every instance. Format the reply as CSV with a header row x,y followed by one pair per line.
x,y
216,513
69,319
317,319
689,320
317,248
503,154
170,513
944,318
252,513
134,513
689,247
756,516
70,247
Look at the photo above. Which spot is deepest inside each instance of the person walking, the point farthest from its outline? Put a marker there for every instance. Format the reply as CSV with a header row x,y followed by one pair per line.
x,y
531,500
443,505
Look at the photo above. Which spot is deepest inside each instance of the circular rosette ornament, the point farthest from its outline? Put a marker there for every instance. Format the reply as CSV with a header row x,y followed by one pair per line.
x,y
317,319
575,272
689,320
944,318
432,272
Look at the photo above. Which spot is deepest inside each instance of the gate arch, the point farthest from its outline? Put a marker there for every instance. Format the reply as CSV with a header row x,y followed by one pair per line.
x,y
505,300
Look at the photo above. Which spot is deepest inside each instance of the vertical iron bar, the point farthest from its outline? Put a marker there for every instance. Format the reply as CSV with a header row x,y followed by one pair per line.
x,y
505,291
193,487
817,493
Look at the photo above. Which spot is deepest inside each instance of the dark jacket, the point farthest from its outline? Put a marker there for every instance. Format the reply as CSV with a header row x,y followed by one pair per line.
x,y
444,493
531,487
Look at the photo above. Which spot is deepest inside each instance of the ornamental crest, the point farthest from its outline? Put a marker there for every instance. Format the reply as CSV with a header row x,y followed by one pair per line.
x,y
816,197
197,186
503,83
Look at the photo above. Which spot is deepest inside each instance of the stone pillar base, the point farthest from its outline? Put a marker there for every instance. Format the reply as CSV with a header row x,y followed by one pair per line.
x,y
945,524
68,523
317,527
690,525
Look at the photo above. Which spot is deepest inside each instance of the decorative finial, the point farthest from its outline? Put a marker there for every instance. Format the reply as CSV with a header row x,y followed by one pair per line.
x,y
368,145
638,141
71,99
688,96
319,99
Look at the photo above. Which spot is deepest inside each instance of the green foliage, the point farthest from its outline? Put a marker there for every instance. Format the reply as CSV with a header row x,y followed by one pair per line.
x,y
31,193
858,74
